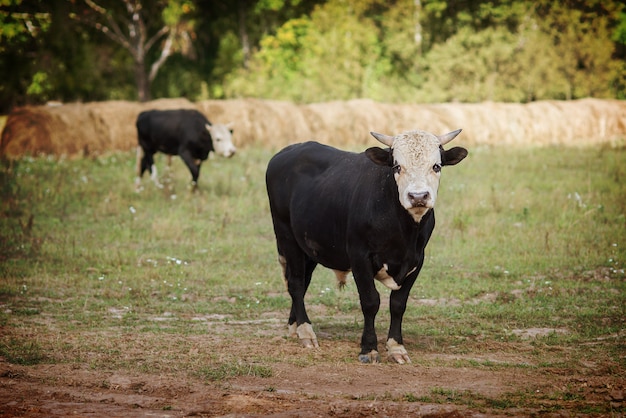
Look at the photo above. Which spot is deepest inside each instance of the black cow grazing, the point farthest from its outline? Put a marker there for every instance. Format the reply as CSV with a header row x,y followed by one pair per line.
x,y
184,132
369,213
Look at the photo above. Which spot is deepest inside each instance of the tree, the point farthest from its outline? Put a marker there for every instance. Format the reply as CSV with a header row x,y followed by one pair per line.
x,y
127,27
22,26
581,32
331,55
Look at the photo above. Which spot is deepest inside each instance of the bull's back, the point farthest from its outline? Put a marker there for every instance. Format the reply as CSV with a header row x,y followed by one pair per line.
x,y
166,130
310,189
305,159
301,169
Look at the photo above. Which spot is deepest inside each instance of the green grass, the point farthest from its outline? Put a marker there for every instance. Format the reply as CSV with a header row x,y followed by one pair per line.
x,y
525,238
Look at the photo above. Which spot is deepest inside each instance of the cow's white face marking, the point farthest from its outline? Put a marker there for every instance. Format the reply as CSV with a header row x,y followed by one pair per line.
x,y
417,169
222,139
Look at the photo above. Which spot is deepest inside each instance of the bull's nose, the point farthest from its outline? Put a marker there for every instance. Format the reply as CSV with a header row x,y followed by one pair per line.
x,y
419,199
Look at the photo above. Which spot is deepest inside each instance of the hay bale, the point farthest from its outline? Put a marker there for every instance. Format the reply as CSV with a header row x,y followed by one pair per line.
x,y
115,121
43,130
76,129
270,122
95,128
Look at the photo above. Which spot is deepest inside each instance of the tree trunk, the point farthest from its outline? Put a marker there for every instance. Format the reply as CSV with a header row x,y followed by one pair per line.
x,y
143,86
243,33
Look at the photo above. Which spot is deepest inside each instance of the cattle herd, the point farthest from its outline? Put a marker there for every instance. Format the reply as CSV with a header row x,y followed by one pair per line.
x,y
369,213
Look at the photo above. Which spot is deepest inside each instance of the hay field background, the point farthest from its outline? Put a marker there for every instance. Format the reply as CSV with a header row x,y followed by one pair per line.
x,y
95,128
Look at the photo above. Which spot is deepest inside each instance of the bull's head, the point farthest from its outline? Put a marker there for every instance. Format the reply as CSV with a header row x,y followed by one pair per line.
x,y
222,136
416,158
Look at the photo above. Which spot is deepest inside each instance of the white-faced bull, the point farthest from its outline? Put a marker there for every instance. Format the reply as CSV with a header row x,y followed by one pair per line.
x,y
371,213
184,132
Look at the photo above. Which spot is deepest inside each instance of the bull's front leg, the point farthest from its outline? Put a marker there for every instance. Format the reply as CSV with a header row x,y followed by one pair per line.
x,y
397,306
193,165
370,304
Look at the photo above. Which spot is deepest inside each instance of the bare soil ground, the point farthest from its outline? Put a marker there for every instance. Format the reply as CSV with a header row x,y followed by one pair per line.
x,y
323,384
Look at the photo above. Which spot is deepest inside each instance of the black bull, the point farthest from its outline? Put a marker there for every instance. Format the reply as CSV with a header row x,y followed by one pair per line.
x,y
184,132
342,210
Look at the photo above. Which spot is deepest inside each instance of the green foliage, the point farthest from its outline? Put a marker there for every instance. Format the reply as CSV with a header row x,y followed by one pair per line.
x,y
40,85
509,51
18,27
174,12
332,55
619,35
581,37
474,67
321,50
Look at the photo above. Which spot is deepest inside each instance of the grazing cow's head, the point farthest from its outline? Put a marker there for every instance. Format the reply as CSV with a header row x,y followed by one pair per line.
x,y
222,136
416,158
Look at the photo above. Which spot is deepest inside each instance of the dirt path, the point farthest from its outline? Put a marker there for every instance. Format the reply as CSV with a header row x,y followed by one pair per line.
x,y
320,390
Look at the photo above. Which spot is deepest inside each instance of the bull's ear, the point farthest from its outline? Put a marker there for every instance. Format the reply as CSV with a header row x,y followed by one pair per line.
x,y
379,155
453,156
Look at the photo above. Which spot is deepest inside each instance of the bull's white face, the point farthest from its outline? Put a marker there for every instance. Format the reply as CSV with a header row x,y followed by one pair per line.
x,y
417,169
417,161
222,139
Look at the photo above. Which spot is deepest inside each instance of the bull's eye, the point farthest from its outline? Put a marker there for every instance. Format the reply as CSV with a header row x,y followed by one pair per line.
x,y
396,169
437,168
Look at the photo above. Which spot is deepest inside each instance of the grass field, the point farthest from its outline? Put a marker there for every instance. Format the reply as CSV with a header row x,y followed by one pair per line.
x,y
528,240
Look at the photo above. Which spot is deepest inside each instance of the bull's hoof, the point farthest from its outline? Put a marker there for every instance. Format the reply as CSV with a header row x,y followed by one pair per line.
x,y
396,353
370,358
307,336
308,343
291,330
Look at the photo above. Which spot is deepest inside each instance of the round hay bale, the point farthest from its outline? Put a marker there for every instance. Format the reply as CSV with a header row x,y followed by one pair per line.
x,y
26,133
77,129
39,130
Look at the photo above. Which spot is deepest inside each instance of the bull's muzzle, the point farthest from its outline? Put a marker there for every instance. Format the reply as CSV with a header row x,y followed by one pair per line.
x,y
419,199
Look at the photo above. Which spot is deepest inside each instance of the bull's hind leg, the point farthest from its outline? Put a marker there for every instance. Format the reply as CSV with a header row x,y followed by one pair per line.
x,y
145,162
154,175
139,169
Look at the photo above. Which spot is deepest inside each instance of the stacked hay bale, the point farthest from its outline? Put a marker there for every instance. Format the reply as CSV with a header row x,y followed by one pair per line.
x,y
96,128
